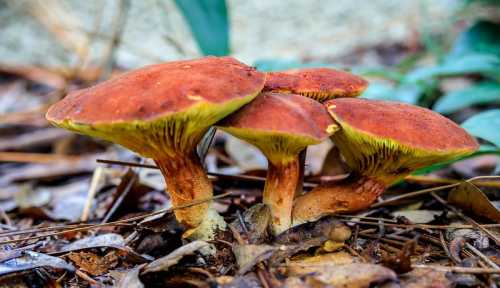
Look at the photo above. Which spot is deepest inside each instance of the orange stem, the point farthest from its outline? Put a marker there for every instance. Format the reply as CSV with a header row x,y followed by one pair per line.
x,y
279,191
352,194
186,182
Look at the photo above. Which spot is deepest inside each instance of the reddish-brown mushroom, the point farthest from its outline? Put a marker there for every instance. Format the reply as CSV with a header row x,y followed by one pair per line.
x,y
281,125
381,142
320,84
162,111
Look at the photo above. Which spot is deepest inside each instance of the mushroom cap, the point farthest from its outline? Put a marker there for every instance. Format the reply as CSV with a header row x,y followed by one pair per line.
x,y
280,125
181,99
320,84
378,137
157,90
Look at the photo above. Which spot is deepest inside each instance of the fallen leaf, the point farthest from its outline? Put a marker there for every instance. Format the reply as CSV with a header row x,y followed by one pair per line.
x,y
287,251
164,263
27,197
328,228
31,260
92,263
72,195
256,220
127,278
248,256
418,216
468,197
311,264
304,282
353,275
420,278
104,240
248,280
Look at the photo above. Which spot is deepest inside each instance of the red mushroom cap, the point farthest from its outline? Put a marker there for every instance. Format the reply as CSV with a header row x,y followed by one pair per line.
x,y
158,90
318,83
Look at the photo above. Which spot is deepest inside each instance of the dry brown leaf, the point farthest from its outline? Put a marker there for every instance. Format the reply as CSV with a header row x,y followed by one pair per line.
x,y
248,280
468,197
311,264
422,278
164,263
256,220
248,256
304,282
127,278
353,275
92,263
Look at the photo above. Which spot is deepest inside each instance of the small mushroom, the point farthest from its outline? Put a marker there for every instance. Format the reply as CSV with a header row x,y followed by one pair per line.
x,y
320,84
281,125
162,111
381,142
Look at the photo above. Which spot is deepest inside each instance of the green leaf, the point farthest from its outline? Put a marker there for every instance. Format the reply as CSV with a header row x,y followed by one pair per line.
x,y
268,65
482,93
408,93
483,150
485,125
485,64
208,20
482,37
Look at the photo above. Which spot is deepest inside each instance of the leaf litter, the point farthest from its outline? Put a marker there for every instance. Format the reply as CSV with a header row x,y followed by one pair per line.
x,y
441,237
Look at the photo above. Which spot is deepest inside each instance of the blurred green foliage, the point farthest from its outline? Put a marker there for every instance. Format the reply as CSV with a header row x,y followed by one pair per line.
x,y
474,57
208,20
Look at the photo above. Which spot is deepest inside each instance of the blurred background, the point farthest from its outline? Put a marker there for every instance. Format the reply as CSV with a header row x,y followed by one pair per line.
x,y
444,55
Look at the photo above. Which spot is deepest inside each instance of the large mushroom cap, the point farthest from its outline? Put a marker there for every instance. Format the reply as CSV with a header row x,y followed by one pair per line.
x,y
157,90
180,98
317,83
280,123
394,138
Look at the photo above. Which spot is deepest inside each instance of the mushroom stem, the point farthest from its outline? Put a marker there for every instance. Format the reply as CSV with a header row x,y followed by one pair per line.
x,y
279,191
352,194
187,182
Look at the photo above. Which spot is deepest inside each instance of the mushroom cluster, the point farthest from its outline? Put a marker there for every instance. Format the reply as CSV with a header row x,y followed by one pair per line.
x,y
163,111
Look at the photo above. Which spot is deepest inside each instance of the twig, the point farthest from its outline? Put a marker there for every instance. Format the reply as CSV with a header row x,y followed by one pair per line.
x,y
445,247
468,219
118,25
482,256
424,179
123,189
456,269
94,184
118,222
42,158
87,278
367,218
213,174
421,226
428,190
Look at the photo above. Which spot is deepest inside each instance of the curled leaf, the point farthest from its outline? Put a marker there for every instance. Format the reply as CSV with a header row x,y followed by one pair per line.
x,y
31,260
164,263
468,197
248,256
